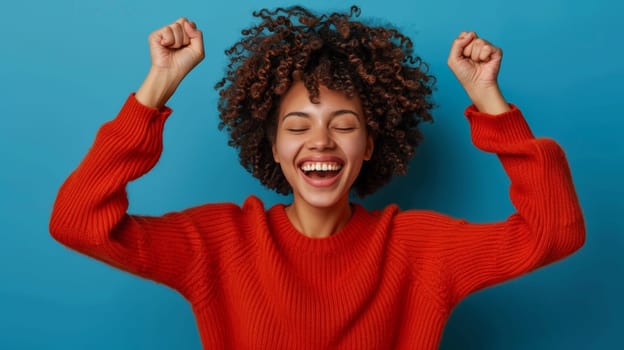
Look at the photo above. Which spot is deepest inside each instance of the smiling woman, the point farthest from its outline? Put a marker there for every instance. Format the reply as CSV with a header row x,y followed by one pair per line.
x,y
372,64
320,106
320,148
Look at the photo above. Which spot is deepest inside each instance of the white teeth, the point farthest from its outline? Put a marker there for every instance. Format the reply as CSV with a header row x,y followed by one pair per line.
x,y
319,166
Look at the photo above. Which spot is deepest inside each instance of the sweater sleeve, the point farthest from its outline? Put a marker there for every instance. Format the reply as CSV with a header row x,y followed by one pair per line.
x,y
89,214
547,225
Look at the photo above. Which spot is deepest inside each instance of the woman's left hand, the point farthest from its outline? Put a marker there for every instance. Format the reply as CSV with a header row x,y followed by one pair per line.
x,y
476,63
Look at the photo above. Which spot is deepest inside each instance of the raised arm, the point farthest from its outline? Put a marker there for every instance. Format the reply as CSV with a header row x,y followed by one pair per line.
x,y
89,214
548,223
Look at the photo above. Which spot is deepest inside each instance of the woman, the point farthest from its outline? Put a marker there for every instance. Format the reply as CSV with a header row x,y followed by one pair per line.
x,y
319,106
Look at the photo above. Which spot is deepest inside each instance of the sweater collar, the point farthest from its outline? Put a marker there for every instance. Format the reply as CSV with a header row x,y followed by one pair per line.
x,y
347,238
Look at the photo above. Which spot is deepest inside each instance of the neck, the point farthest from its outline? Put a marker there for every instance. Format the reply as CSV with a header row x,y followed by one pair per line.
x,y
318,222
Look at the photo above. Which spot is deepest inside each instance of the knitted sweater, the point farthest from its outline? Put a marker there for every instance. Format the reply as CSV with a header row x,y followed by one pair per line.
x,y
387,280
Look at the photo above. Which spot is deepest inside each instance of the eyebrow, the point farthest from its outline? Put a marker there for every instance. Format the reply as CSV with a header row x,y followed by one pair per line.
x,y
333,114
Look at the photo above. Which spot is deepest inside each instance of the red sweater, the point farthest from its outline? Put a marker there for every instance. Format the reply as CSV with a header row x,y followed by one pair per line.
x,y
388,280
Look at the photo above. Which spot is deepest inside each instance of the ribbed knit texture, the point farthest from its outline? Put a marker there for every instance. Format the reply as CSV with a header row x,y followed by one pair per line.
x,y
388,280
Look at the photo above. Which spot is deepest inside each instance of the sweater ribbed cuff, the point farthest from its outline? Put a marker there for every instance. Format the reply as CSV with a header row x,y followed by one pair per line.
x,y
488,130
135,107
132,111
134,120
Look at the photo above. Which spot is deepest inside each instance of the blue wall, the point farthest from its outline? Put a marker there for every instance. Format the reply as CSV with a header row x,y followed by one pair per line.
x,y
67,66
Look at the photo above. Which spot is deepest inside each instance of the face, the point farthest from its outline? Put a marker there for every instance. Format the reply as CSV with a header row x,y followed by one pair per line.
x,y
321,147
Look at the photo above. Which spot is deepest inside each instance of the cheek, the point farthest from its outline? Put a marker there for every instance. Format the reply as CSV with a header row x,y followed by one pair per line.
x,y
356,149
285,149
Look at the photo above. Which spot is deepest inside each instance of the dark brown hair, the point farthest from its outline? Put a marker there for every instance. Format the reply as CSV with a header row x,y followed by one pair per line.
x,y
336,51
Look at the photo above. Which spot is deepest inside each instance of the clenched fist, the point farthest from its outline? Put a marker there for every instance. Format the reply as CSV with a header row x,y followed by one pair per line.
x,y
476,63
175,50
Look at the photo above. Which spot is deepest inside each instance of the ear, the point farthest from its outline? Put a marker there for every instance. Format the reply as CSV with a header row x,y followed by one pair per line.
x,y
275,155
370,146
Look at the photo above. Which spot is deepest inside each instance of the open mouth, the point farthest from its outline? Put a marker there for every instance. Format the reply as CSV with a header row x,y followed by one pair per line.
x,y
321,170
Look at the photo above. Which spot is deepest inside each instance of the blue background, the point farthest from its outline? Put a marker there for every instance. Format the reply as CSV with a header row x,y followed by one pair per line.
x,y
67,66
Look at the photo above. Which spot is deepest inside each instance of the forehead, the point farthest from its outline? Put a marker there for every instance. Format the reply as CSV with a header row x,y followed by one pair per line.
x,y
297,99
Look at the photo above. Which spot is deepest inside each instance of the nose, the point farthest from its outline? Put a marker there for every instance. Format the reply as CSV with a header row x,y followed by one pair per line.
x,y
320,139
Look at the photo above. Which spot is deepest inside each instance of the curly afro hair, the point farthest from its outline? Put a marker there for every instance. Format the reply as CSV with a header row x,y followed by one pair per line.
x,y
336,51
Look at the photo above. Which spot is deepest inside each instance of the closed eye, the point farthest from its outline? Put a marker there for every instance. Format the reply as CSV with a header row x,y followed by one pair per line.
x,y
348,129
296,130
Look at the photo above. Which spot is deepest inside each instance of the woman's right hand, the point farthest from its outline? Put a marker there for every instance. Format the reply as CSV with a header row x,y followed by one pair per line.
x,y
175,50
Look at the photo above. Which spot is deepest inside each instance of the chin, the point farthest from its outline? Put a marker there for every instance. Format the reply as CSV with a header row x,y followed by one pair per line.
x,y
321,200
